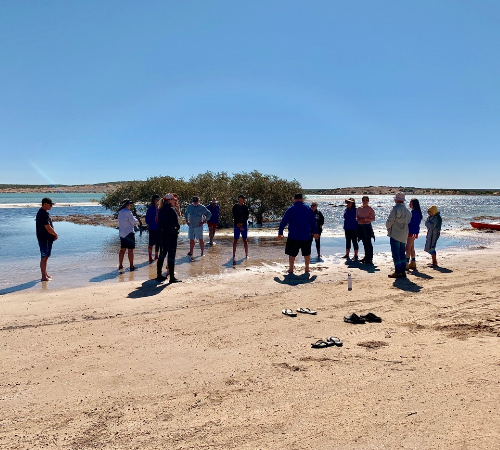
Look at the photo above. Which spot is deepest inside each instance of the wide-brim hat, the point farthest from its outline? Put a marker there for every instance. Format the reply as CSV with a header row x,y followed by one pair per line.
x,y
126,202
350,200
400,197
433,210
169,197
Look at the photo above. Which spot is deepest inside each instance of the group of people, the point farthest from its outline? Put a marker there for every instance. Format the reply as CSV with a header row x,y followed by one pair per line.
x,y
403,227
305,224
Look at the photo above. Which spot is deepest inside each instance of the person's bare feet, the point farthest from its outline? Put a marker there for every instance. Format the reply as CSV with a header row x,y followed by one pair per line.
x,y
46,279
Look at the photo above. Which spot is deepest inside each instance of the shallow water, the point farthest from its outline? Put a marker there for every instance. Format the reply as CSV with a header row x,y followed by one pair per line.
x,y
88,254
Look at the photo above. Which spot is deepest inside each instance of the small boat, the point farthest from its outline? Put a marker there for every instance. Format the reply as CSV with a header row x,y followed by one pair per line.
x,y
485,226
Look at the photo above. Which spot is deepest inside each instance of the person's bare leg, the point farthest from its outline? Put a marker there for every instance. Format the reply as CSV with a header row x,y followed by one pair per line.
x,y
43,268
191,246
235,243
291,263
245,245
121,255
150,253
434,260
211,234
307,260
202,246
131,257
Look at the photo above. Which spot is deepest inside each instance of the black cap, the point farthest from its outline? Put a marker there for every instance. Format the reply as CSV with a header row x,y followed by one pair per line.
x,y
298,197
241,196
47,200
195,199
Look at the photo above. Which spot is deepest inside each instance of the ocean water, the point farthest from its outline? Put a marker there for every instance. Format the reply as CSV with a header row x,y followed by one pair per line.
x,y
86,254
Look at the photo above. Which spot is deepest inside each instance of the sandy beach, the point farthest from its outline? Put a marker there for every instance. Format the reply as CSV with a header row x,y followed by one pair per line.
x,y
212,363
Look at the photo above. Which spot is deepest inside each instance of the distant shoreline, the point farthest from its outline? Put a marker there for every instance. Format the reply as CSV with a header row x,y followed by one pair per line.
x,y
347,191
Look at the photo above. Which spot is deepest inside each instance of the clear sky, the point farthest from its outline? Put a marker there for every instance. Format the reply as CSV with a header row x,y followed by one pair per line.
x,y
333,93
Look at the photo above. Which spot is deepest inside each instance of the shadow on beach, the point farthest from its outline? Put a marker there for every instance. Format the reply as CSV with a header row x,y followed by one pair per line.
x,y
115,273
149,288
294,280
406,285
370,268
19,287
440,269
422,275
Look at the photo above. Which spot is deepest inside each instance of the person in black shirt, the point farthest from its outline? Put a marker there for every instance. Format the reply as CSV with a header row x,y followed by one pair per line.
x,y
240,216
320,221
45,234
168,225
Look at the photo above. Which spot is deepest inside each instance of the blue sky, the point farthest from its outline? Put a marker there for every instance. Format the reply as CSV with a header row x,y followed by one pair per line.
x,y
331,93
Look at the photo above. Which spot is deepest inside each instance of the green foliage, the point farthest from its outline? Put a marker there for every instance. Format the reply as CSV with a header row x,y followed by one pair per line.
x,y
267,196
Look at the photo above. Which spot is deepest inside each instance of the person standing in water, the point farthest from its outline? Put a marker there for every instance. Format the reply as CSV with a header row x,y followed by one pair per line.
x,y
320,221
45,234
168,225
240,218
212,223
350,227
196,215
126,224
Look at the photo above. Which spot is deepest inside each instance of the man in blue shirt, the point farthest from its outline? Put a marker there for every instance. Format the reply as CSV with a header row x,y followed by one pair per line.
x,y
212,223
301,224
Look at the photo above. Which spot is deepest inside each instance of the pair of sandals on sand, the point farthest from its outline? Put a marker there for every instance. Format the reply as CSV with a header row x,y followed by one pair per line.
x,y
370,317
330,341
290,313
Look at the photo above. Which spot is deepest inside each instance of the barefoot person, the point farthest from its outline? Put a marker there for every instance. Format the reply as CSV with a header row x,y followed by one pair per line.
x,y
196,215
365,215
301,223
212,223
168,225
45,234
397,230
240,218
126,224
433,224
151,220
413,230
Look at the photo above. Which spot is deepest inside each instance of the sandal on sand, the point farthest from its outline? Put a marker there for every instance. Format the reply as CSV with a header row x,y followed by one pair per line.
x,y
370,317
354,318
332,340
288,312
319,344
306,311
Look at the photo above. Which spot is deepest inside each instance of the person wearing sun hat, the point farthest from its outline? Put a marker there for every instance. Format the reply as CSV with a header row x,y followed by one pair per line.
x,y
397,230
126,224
433,224
350,227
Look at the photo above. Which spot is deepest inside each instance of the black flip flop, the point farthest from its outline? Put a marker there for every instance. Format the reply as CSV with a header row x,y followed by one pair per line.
x,y
332,340
370,317
306,311
354,318
288,312
319,344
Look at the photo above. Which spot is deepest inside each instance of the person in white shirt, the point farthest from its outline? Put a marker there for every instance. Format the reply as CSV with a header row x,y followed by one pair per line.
x,y
126,224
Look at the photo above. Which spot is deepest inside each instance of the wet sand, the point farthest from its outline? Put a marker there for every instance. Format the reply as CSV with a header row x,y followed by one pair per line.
x,y
211,363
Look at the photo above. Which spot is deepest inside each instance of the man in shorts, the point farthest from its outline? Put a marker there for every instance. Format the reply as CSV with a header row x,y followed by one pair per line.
x,y
301,223
240,217
126,226
212,223
196,215
45,234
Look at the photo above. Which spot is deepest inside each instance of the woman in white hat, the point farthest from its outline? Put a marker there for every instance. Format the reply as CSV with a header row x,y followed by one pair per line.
x,y
397,230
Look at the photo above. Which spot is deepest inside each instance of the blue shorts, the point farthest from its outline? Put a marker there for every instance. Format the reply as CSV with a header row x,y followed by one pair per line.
x,y
238,232
195,233
45,248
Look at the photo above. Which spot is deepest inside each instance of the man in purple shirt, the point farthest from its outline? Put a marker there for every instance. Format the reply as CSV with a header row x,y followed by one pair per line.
x,y
301,224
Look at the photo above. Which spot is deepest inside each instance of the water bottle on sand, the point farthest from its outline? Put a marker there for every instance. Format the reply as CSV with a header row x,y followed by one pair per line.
x,y
349,282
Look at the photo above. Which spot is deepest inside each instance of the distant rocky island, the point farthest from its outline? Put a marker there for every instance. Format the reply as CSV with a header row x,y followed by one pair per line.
x,y
348,191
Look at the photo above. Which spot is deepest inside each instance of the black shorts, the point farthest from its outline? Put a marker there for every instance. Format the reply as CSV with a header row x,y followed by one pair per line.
x,y
293,246
154,237
45,247
128,241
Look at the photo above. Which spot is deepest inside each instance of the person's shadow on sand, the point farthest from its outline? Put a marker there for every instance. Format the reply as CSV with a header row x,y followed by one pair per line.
x,y
148,289
440,269
353,264
406,285
19,287
115,273
294,280
422,275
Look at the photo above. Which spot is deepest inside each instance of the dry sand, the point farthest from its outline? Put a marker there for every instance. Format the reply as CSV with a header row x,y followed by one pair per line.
x,y
213,364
